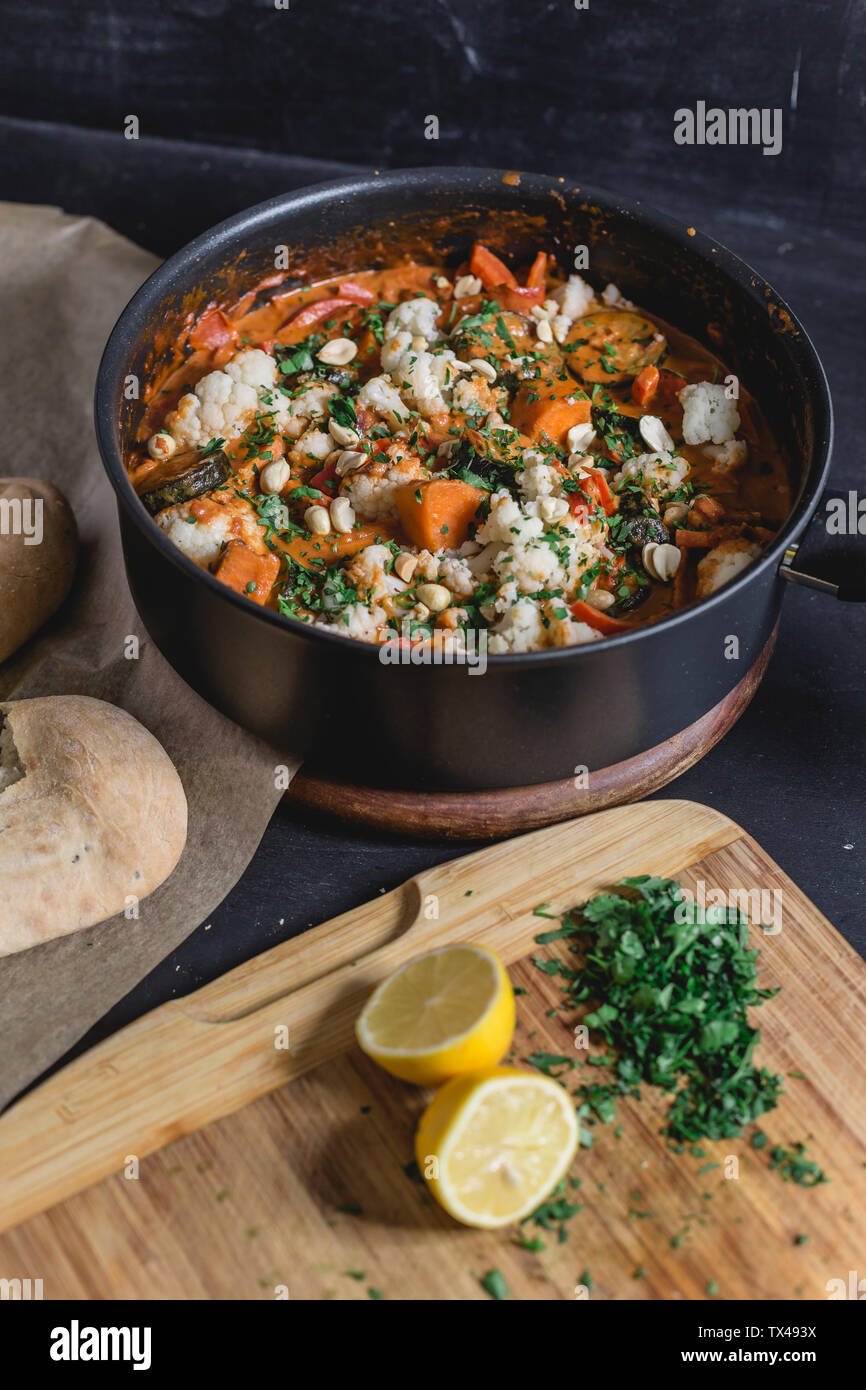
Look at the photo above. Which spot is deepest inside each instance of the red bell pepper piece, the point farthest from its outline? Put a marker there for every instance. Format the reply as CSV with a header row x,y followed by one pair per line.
x,y
645,385
537,272
595,488
213,330
491,271
517,299
318,310
356,293
585,613
669,386
326,478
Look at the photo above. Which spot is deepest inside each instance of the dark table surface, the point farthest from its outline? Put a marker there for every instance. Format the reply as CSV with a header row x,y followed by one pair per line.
x,y
791,770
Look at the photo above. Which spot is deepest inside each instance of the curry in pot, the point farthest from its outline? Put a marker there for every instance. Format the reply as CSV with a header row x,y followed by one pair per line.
x,y
416,453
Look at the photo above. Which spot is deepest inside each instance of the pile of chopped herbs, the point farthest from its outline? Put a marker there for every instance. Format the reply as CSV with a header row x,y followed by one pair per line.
x,y
670,985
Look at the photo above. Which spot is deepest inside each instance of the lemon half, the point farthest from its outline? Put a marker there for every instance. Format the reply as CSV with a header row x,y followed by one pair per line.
x,y
445,1013
492,1146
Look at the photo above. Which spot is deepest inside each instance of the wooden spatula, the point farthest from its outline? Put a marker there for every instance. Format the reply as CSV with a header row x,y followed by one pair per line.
x,y
195,1059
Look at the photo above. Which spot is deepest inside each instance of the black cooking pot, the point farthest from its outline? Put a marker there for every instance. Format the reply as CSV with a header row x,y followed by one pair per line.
x,y
527,719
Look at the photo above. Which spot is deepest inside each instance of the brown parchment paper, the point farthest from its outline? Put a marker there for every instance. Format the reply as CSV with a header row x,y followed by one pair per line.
x,y
63,282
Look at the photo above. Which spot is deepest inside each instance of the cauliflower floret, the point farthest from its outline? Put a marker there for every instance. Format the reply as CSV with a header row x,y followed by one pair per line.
x,y
531,565
538,479
222,403
516,550
253,367
184,423
580,552
293,414
218,406
393,350
474,396
223,399
612,296
368,572
566,631
526,627
727,457
456,575
427,566
574,297
507,523
202,528
723,563
371,489
417,317
506,595
381,395
708,413
366,623
202,541
312,447
520,629
480,562
425,379
658,474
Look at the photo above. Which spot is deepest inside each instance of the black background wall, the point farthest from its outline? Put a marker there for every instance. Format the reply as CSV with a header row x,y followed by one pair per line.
x,y
516,82
238,101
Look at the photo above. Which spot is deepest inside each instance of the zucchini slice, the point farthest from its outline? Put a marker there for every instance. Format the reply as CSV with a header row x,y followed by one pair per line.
x,y
494,335
639,524
612,345
204,475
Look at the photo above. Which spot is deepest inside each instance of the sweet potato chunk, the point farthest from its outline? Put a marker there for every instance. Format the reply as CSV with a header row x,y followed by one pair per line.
x,y
437,513
549,407
315,551
246,572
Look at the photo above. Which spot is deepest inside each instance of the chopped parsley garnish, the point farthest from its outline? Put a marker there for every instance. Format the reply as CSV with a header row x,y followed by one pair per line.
x,y
494,1284
551,1214
548,1061
525,1243
672,992
298,358
343,411
793,1165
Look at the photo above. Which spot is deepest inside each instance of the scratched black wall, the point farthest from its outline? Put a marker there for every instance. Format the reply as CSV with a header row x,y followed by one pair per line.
x,y
523,83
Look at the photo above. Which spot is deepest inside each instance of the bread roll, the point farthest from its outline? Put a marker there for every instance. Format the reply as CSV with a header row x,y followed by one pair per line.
x,y
38,550
92,816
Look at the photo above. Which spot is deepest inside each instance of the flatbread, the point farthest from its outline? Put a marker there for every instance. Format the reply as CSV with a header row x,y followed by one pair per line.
x,y
93,817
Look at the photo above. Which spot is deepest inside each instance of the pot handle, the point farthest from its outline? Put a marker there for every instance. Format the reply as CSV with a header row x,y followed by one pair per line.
x,y
828,557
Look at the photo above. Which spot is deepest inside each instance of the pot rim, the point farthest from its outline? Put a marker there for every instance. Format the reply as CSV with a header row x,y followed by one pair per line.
x,y
178,270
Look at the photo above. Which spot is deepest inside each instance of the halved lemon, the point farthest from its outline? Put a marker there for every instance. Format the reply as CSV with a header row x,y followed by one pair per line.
x,y
445,1013
492,1146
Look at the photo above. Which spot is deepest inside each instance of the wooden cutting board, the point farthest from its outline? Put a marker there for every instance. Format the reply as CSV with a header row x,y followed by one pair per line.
x,y
304,1191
